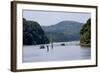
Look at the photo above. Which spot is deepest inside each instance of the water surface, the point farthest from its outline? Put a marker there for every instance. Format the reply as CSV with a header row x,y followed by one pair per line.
x,y
71,51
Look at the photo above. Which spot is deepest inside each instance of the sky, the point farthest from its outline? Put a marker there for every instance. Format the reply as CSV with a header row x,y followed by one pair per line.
x,y
47,18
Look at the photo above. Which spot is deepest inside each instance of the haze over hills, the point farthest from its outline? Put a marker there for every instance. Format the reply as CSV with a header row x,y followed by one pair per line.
x,y
63,31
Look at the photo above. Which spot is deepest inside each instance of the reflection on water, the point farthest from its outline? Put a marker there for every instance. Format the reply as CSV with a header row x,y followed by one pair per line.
x,y
66,51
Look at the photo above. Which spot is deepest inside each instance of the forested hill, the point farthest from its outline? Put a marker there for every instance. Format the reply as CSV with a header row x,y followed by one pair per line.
x,y
64,31
85,34
33,33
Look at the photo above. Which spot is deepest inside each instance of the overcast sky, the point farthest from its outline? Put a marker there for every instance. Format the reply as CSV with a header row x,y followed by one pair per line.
x,y
46,18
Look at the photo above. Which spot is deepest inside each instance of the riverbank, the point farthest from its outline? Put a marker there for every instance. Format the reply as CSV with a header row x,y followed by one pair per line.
x,y
85,45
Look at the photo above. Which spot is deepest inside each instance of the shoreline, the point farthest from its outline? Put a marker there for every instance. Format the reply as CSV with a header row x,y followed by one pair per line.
x,y
85,45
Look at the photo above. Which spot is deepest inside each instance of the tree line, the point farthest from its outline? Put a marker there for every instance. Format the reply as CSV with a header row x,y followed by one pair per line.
x,y
33,33
85,34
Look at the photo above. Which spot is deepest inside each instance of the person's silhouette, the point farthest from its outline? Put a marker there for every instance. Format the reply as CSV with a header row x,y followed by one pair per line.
x,y
47,48
52,44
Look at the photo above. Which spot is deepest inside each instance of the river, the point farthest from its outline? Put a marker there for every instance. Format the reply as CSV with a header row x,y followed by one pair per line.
x,y
68,51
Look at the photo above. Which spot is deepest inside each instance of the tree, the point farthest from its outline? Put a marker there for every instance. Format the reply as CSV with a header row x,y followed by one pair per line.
x,y
85,33
33,33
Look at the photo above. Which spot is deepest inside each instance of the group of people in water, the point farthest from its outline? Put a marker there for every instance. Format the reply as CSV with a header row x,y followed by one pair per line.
x,y
47,46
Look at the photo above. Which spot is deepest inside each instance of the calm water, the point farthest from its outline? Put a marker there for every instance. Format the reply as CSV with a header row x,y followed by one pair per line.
x,y
71,51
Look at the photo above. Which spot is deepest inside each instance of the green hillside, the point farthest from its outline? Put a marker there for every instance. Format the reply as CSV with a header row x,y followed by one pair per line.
x,y
33,33
85,34
63,31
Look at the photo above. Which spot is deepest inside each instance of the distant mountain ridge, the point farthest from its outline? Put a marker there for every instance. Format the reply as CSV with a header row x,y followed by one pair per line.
x,y
62,26
64,31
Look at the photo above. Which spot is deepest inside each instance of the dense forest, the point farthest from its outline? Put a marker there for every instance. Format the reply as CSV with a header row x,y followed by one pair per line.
x,y
33,33
85,34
